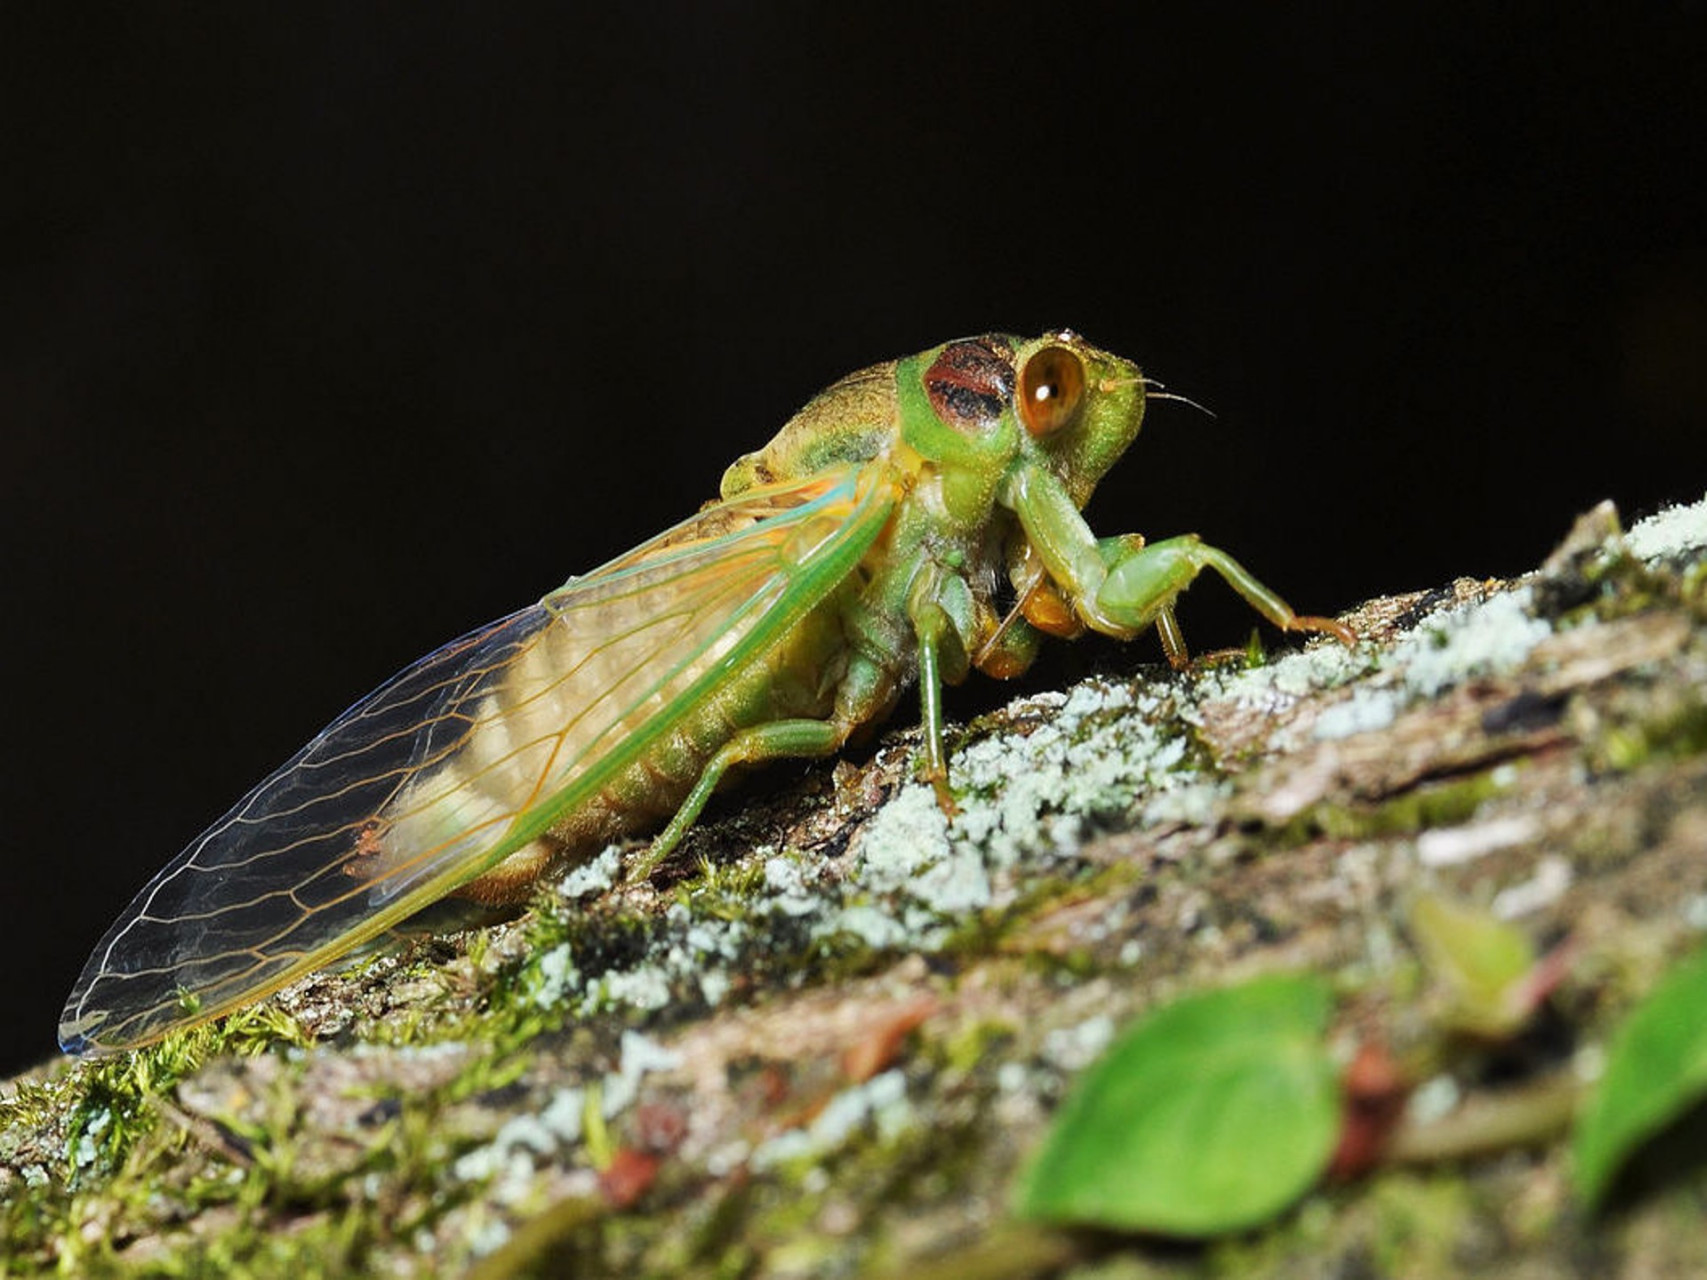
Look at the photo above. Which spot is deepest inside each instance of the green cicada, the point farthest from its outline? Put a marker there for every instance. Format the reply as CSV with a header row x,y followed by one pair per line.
x,y
914,521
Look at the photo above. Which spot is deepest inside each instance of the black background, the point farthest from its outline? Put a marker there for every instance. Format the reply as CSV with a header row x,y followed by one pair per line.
x,y
326,337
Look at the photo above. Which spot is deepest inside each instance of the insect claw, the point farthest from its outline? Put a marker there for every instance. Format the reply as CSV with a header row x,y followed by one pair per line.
x,y
945,798
1325,626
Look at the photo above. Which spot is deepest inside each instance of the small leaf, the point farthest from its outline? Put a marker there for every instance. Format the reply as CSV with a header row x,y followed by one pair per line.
x,y
1482,961
1209,1115
1656,1070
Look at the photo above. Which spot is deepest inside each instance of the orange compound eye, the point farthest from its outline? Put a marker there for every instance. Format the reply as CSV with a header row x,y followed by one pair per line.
x,y
1051,389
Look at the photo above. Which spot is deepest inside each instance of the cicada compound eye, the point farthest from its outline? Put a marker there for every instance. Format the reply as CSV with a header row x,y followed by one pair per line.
x,y
1051,389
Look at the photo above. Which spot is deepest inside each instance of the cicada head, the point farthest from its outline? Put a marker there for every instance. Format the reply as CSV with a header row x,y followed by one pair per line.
x,y
968,409
976,408
1080,406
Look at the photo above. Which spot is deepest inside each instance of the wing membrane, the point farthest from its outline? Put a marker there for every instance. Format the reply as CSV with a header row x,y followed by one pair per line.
x,y
465,756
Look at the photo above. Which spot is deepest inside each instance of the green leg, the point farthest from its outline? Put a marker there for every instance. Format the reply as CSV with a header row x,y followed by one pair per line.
x,y
1143,583
778,740
931,624
935,770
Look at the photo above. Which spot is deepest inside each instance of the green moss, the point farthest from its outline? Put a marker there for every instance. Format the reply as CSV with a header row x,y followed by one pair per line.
x,y
723,890
1420,808
1617,583
1674,729
108,1101
770,1222
1418,1222
972,1046
551,1243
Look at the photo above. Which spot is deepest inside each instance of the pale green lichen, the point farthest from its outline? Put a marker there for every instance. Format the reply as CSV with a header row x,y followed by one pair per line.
x,y
1452,846
645,989
789,893
682,950
85,1147
1366,711
510,1163
1490,637
1279,685
880,1102
907,850
1104,750
1551,877
1076,1047
1695,912
1031,798
594,877
1670,531
1102,755
1194,804
508,1160
876,929
557,975
1482,638
640,1056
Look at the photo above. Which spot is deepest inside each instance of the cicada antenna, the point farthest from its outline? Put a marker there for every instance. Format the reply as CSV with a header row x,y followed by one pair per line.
x,y
1154,390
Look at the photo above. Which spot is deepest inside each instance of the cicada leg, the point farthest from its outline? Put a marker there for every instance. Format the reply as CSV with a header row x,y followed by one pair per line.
x,y
1173,639
1143,581
931,625
778,740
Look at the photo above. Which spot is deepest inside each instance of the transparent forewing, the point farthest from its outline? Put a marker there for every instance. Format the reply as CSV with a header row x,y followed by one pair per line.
x,y
465,757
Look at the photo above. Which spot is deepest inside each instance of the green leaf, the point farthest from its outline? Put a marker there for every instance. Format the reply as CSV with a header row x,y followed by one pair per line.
x,y
1656,1070
1210,1115
1483,962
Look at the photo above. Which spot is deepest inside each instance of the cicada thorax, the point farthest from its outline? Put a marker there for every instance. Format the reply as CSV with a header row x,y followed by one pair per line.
x,y
941,552
939,429
851,421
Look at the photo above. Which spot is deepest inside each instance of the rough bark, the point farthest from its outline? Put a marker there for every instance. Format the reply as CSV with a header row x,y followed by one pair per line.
x,y
823,1039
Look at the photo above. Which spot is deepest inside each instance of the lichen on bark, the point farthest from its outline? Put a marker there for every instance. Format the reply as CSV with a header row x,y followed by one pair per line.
x,y
823,1039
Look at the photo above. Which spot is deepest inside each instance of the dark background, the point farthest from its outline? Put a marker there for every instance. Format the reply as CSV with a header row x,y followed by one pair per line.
x,y
326,337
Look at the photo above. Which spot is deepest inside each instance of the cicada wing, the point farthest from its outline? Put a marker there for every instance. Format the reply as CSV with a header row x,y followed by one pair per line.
x,y
464,757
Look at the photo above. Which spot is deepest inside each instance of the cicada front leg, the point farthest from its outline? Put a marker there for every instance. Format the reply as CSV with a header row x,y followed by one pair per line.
x,y
1144,579
1119,586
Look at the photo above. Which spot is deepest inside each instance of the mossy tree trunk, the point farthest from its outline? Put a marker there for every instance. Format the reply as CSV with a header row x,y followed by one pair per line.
x,y
826,1035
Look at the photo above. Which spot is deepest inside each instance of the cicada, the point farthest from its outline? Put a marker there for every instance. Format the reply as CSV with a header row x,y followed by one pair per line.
x,y
917,520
